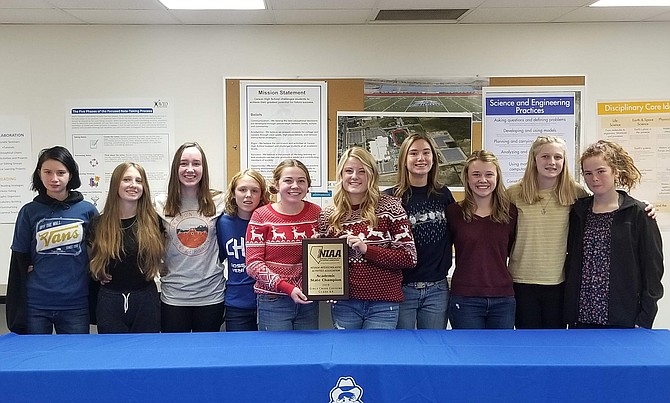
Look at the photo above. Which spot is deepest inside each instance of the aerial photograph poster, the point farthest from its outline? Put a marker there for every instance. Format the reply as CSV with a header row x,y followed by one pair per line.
x,y
382,134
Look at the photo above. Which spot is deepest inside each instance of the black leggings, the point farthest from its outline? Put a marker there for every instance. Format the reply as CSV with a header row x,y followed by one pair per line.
x,y
207,318
539,306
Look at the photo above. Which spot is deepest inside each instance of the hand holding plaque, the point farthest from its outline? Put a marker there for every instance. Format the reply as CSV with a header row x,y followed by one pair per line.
x,y
325,268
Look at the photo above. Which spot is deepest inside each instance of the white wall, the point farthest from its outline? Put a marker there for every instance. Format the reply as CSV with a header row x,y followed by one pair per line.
x,y
42,67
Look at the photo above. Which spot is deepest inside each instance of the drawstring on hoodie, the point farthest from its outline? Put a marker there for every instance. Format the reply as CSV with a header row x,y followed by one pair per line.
x,y
125,302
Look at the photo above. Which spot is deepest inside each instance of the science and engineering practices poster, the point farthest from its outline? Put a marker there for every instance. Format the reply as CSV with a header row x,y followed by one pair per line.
x,y
515,117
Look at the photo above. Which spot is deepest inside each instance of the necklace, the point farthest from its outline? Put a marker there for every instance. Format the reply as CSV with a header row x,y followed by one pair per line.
x,y
544,205
129,225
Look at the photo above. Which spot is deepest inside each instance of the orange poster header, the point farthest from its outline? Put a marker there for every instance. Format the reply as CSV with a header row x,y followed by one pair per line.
x,y
633,108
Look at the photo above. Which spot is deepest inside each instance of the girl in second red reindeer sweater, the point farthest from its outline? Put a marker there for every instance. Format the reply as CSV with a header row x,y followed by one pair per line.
x,y
381,245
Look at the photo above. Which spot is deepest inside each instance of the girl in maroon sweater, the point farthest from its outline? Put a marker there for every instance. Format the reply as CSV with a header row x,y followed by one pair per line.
x,y
380,240
482,227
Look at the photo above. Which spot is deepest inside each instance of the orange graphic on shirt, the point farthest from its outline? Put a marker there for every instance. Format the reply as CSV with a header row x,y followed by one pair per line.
x,y
192,237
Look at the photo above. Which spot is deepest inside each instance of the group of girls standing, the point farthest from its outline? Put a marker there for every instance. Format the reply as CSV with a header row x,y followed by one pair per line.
x,y
400,245
374,225
511,268
60,242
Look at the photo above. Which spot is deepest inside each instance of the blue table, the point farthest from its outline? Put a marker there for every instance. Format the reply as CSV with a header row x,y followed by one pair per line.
x,y
318,366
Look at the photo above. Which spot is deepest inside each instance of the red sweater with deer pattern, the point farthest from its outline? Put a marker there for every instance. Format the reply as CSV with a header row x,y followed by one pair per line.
x,y
274,247
377,275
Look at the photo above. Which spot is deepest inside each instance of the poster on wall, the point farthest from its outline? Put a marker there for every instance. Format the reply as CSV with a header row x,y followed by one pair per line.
x,y
450,95
515,116
101,134
285,119
16,166
382,133
643,129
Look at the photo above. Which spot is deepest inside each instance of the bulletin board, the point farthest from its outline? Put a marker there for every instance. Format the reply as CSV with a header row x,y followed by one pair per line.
x,y
343,94
349,95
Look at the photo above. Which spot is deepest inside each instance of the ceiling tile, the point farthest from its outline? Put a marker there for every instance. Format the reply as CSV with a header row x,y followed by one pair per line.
x,y
426,4
36,16
321,4
227,17
594,14
24,4
660,17
513,15
324,17
535,3
109,4
123,17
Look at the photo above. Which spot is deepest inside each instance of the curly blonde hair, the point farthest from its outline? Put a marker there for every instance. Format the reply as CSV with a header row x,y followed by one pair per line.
x,y
626,173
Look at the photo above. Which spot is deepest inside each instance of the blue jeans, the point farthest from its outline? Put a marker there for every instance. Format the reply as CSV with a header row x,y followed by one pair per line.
x,y
359,314
70,321
425,305
240,319
279,312
482,312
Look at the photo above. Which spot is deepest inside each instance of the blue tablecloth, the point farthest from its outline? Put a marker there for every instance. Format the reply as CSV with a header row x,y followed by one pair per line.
x,y
316,366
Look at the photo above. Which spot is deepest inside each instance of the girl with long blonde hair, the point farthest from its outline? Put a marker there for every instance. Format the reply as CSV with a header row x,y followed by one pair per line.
x,y
126,252
543,196
483,228
378,233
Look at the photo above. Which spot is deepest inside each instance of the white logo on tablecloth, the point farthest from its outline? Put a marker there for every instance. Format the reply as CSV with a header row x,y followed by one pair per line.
x,y
346,391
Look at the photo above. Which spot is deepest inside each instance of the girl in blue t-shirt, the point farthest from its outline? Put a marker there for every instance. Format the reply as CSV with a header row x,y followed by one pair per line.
x,y
48,275
246,192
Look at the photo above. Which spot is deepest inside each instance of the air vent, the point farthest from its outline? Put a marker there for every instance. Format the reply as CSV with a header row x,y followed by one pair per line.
x,y
420,15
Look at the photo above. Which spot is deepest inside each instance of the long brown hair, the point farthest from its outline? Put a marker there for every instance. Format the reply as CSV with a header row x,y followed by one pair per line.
x,y
341,202
107,242
206,204
402,178
500,201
